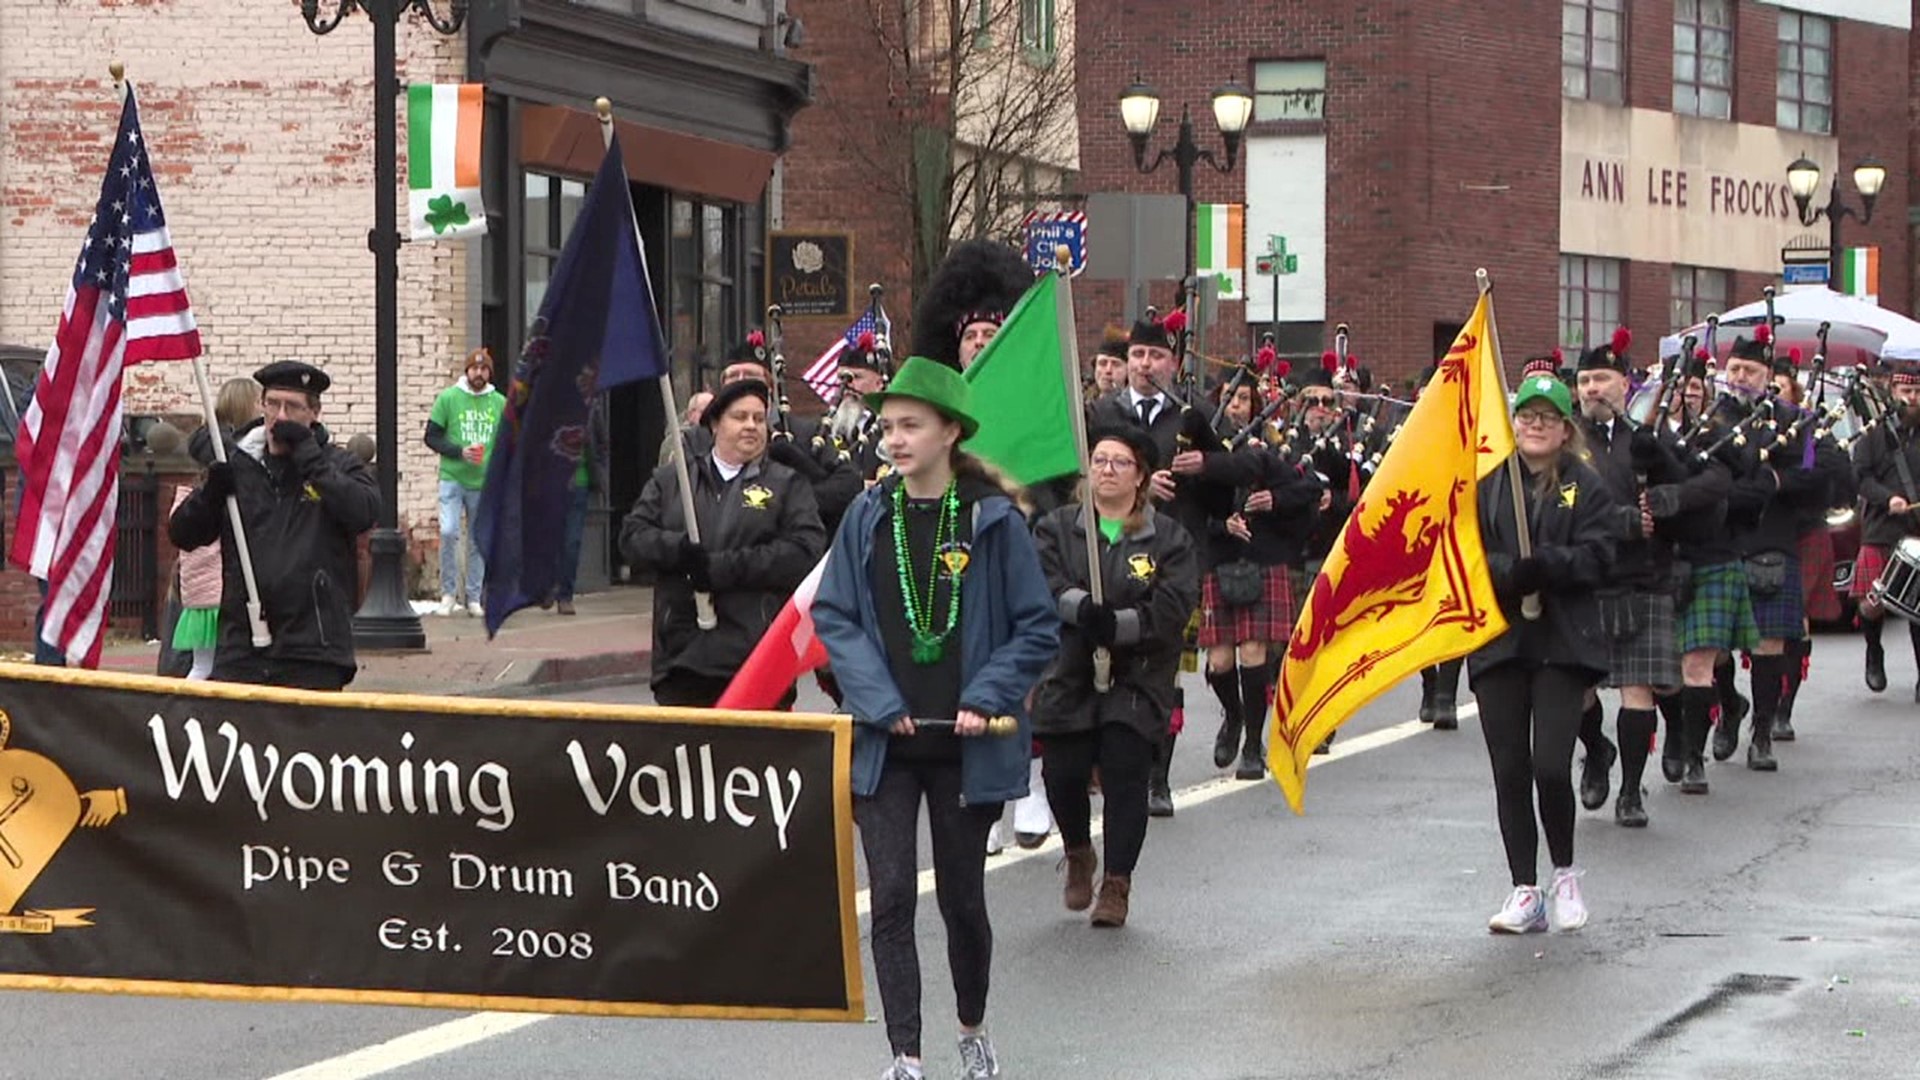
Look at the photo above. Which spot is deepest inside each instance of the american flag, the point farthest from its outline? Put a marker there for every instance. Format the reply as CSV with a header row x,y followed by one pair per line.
x,y
126,304
823,375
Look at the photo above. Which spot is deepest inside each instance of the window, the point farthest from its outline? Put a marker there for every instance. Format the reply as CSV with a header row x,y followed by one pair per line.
x,y
1290,90
1590,302
1697,293
1592,50
1804,84
552,203
703,256
1703,58
1036,27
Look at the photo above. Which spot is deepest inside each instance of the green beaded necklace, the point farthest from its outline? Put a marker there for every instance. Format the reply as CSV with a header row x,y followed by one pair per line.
x,y
928,646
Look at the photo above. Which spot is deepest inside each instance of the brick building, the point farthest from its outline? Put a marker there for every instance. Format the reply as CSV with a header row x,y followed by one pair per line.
x,y
1397,146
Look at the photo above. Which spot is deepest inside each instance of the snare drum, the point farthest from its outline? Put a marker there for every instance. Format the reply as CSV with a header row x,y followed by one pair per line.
x,y
1898,589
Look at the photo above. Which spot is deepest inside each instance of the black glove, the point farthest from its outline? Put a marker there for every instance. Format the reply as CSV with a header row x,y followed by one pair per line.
x,y
1647,453
1098,622
794,456
1663,501
691,560
1527,576
219,482
291,433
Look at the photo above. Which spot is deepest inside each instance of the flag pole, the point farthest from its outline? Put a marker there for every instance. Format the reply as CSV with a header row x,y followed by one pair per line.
x,y
1530,603
256,623
1077,415
702,602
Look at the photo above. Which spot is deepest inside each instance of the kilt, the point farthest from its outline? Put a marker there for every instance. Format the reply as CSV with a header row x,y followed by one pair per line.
x,y
1720,615
1782,615
1649,656
1868,565
1268,619
1816,576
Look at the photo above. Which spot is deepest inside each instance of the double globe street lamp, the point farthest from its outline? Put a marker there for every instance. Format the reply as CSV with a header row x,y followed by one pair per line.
x,y
1803,179
1140,110
386,620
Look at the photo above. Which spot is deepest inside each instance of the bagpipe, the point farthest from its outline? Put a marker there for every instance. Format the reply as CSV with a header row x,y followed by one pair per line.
x,y
849,428
777,361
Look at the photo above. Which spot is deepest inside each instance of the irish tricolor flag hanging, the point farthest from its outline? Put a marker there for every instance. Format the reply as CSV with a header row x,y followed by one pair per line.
x,y
1860,273
443,160
1220,246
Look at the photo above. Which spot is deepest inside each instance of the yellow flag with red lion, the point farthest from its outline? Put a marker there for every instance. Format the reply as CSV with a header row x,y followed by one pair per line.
x,y
1406,585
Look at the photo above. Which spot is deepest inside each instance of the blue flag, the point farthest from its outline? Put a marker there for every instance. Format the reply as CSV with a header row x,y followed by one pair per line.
x,y
597,329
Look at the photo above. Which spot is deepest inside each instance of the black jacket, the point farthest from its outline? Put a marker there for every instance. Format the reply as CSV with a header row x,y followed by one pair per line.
x,y
302,514
1774,494
835,479
1876,462
1636,458
1200,497
1573,536
762,534
1330,458
1152,581
1279,535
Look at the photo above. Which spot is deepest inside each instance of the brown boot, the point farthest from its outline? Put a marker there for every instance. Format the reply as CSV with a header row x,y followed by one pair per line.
x,y
1111,909
1079,891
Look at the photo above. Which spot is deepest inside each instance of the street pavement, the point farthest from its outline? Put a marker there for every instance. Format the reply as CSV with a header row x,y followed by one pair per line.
x,y
1767,930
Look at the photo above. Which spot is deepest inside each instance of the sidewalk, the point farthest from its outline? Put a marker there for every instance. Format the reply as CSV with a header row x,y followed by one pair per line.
x,y
535,652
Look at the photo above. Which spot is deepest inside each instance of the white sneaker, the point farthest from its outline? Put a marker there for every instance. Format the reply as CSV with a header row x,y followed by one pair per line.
x,y
1525,912
448,605
977,1061
1569,909
474,609
997,838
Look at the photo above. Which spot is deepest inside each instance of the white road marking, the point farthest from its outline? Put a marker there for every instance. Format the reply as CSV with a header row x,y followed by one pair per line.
x,y
457,1034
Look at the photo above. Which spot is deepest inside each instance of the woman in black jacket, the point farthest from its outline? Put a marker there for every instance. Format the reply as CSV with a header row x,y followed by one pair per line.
x,y
1149,580
1530,681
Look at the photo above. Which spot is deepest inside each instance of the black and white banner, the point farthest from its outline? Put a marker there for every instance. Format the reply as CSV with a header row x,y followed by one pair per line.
x,y
240,842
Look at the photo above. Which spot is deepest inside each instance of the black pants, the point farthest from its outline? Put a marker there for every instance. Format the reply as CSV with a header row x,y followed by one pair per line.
x,y
889,834
1530,716
1125,758
292,674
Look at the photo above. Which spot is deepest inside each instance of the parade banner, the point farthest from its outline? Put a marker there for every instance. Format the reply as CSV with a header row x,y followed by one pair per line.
x,y
206,840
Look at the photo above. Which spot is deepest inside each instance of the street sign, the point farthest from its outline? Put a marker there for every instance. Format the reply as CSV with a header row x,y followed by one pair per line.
x,y
1804,274
1263,265
1048,230
1270,265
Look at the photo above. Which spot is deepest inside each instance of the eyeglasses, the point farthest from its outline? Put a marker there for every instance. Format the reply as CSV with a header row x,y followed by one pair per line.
x,y
1111,464
1320,401
1534,418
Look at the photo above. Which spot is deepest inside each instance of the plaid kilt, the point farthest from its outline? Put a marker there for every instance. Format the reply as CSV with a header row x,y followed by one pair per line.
x,y
1720,615
1268,619
1784,614
1868,565
1816,576
1649,656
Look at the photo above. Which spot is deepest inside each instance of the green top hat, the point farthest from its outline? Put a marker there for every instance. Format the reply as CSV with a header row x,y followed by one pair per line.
x,y
937,385
1544,386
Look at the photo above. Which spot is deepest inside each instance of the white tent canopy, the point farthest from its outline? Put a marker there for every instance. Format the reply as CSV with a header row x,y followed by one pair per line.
x,y
1817,305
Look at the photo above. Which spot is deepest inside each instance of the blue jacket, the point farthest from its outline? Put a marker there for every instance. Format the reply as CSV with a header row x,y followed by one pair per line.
x,y
1009,631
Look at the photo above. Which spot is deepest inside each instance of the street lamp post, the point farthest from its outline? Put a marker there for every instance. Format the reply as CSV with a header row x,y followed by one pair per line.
x,y
1803,179
386,620
1140,110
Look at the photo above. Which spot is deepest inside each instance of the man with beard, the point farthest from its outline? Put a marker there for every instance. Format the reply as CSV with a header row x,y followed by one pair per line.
x,y
1887,459
852,426
1652,489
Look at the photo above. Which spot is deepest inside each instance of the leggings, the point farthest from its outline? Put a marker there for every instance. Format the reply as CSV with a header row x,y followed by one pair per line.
x,y
1530,716
889,834
1125,758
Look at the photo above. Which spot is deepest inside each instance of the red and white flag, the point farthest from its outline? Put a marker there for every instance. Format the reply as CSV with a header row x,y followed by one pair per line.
x,y
126,304
788,651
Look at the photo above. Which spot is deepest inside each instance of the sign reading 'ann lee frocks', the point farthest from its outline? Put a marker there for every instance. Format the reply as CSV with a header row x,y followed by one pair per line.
x,y
471,854
1651,186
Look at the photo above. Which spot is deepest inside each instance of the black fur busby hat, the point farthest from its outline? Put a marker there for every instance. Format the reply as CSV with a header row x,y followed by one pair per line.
x,y
979,281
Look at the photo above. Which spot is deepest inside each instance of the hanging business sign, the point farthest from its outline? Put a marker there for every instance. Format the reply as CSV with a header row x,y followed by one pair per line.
x,y
810,274
172,837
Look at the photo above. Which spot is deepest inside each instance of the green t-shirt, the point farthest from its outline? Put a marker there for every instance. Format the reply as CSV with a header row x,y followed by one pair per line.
x,y
1110,528
468,418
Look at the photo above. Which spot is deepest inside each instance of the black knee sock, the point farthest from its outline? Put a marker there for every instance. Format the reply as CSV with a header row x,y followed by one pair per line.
x,y
1447,679
1870,629
1799,654
1726,690
1673,712
1253,691
1913,632
1636,728
1769,682
1226,687
1697,705
1593,734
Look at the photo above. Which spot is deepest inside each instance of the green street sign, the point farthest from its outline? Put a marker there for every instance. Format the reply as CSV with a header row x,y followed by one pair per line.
x,y
1290,265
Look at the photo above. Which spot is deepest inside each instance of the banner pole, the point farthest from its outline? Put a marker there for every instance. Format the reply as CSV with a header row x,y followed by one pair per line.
x,y
702,602
1077,416
1530,603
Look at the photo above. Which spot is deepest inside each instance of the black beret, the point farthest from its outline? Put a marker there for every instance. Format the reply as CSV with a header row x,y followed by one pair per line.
x,y
1745,348
1603,358
292,375
1135,438
724,398
750,350
1150,332
1114,342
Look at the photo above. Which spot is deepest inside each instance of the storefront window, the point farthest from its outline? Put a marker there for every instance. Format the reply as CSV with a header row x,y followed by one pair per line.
x,y
1590,300
1804,84
705,261
1697,293
552,202
1592,51
1703,58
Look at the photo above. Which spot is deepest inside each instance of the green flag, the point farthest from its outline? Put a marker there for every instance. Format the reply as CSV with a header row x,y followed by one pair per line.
x,y
1020,391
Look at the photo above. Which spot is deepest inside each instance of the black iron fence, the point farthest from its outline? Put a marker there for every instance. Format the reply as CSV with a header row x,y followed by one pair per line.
x,y
135,599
